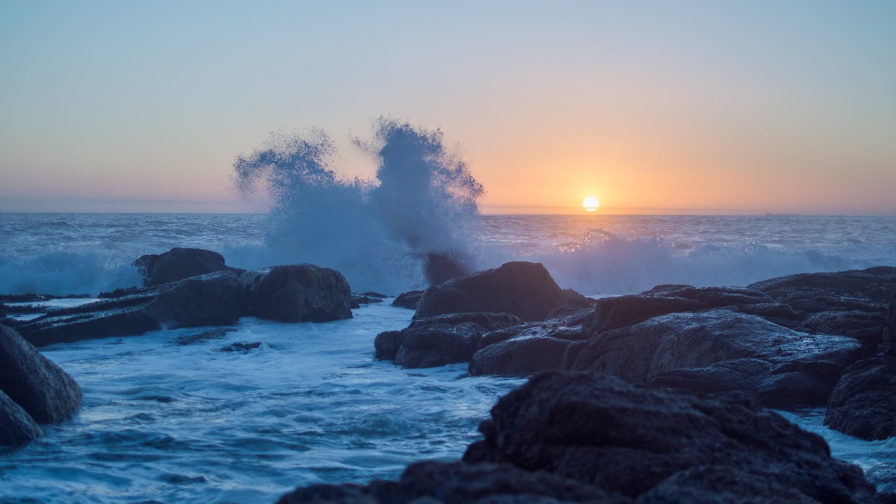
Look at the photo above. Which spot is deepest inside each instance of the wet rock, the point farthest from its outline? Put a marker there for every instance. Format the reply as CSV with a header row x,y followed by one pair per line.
x,y
615,312
438,345
408,300
212,299
536,349
457,483
888,335
16,427
297,293
359,299
863,404
372,294
241,347
866,327
661,445
43,390
876,285
523,289
712,297
440,340
178,264
723,350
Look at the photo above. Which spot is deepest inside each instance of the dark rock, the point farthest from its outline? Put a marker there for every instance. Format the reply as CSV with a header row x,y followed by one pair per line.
x,y
119,293
615,312
712,297
440,340
439,268
438,345
889,333
212,299
178,264
241,347
663,446
297,293
408,300
327,494
536,349
861,325
576,301
863,404
521,288
359,299
877,285
16,427
374,295
723,350
46,392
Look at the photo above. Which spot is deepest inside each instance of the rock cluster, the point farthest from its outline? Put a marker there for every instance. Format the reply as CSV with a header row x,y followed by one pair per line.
x,y
588,437
33,390
294,293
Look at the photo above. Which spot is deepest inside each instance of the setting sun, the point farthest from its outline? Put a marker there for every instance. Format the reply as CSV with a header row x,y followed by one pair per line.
x,y
591,204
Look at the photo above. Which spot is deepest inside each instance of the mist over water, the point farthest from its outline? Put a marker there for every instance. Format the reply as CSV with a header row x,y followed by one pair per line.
x,y
377,232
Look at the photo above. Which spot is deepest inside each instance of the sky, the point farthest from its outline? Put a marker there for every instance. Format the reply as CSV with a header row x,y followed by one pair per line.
x,y
673,107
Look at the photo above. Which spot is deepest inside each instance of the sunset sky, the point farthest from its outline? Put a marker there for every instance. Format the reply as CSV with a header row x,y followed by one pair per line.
x,y
652,107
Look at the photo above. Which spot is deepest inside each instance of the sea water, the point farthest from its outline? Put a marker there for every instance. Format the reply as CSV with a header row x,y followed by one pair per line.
x,y
173,416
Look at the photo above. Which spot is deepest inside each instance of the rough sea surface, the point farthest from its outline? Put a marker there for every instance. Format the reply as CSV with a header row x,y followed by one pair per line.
x,y
172,417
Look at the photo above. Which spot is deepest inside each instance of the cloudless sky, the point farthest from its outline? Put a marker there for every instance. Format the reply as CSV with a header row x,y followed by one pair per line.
x,y
657,107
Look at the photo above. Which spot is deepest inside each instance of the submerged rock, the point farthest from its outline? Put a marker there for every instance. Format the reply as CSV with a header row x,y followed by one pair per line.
x,y
178,264
212,299
297,293
16,426
523,289
863,403
43,390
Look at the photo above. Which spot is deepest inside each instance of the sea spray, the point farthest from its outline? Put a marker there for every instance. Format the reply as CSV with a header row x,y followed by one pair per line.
x,y
414,221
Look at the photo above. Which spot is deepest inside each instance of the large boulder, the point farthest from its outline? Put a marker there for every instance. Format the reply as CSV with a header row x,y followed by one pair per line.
x,y
615,312
178,264
585,437
721,350
875,285
211,299
863,404
523,289
16,427
436,341
663,446
297,293
46,392
408,300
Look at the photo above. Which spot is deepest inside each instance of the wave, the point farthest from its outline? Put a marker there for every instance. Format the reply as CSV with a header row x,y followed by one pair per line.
x,y
390,233
63,273
606,263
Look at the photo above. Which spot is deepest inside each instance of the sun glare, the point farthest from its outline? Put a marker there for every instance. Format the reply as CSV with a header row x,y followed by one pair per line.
x,y
591,204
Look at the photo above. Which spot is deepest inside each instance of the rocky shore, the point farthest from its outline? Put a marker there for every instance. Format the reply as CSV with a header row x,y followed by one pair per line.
x,y
657,397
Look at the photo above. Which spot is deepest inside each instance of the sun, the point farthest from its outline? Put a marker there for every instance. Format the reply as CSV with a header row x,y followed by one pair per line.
x,y
591,204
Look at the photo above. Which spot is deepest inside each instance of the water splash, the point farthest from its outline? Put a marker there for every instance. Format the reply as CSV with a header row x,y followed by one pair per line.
x,y
414,220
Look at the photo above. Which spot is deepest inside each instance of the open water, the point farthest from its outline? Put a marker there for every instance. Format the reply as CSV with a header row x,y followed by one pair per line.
x,y
172,417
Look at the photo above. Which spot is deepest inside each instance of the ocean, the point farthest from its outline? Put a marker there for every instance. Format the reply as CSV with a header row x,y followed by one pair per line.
x,y
171,416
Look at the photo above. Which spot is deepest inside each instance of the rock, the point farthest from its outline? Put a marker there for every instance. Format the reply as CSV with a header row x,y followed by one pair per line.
x,y
178,264
457,483
359,299
661,445
241,347
722,350
889,333
16,427
212,299
523,289
439,268
43,390
615,312
877,285
866,327
297,293
862,404
438,345
712,297
372,294
408,300
436,341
